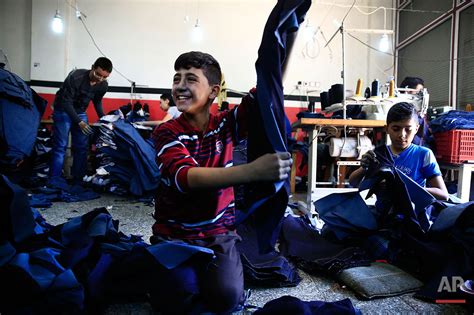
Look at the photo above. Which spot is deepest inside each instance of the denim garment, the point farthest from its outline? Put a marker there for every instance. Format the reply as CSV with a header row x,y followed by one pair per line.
x,y
267,270
292,305
62,126
268,122
20,113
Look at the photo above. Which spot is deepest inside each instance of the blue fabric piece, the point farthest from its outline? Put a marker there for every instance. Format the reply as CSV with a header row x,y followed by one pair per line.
x,y
59,190
314,253
79,231
292,305
345,212
448,217
454,119
309,115
171,254
418,195
283,20
96,278
20,113
16,219
39,201
410,202
7,252
41,226
43,267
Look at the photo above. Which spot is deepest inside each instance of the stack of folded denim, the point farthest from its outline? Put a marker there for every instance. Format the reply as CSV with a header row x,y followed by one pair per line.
x,y
126,161
264,270
41,158
20,113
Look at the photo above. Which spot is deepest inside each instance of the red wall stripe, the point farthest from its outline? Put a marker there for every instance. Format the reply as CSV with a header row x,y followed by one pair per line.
x,y
155,111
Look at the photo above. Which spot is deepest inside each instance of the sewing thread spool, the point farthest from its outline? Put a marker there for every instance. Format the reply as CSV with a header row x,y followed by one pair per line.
x,y
375,88
359,88
391,89
324,96
367,92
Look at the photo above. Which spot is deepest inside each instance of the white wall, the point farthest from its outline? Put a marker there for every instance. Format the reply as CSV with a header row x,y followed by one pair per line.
x,y
15,35
144,37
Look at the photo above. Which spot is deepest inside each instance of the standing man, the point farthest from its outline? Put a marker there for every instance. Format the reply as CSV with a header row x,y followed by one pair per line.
x,y
423,135
70,105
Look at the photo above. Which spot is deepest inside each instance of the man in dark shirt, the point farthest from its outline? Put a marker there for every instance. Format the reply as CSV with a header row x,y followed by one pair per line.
x,y
423,135
70,105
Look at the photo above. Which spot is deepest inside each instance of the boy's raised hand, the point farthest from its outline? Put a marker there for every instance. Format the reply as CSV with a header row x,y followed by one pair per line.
x,y
368,159
272,166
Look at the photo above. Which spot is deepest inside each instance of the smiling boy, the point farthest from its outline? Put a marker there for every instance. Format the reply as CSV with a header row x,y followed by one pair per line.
x,y
195,200
417,162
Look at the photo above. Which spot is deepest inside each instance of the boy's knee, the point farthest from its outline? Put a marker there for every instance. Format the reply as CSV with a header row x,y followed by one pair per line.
x,y
225,298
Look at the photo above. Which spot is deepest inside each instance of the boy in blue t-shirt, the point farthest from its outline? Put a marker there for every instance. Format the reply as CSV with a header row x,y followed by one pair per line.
x,y
419,163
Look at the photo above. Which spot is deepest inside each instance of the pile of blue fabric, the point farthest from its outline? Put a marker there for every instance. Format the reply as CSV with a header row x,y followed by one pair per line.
x,y
79,266
454,119
125,160
20,113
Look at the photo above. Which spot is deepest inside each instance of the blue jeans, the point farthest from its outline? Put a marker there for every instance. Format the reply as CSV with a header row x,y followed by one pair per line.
x,y
79,146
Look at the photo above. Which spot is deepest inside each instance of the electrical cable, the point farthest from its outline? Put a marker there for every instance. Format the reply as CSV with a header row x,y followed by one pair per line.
x,y
103,54
348,11
409,59
392,9
81,16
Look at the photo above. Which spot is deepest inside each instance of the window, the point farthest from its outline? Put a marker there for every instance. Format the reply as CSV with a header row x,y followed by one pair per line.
x,y
465,77
428,57
411,21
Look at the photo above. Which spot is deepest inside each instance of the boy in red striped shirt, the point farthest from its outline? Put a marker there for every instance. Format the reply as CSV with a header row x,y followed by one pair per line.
x,y
195,199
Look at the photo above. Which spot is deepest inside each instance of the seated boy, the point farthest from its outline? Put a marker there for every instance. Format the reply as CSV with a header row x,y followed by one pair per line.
x,y
419,163
195,199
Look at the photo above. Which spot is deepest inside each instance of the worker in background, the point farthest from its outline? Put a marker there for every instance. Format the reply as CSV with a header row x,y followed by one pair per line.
x,y
168,106
72,99
423,135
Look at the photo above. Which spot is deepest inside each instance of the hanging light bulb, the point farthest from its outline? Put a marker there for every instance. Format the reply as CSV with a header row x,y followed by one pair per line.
x,y
57,22
384,44
186,18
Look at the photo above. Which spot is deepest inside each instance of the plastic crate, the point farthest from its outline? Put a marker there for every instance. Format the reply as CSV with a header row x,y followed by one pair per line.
x,y
455,146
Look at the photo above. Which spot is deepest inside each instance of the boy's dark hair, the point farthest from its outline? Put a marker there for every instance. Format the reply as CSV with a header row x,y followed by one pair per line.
x,y
167,96
401,111
104,64
200,60
411,82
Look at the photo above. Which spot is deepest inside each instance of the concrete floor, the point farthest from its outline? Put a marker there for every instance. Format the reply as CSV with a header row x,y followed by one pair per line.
x,y
135,218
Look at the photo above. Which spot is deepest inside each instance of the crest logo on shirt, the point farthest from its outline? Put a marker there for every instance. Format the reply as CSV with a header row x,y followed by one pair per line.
x,y
219,146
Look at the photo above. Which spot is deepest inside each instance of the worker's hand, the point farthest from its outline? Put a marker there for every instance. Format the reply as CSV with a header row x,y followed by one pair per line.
x,y
85,128
368,159
272,167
